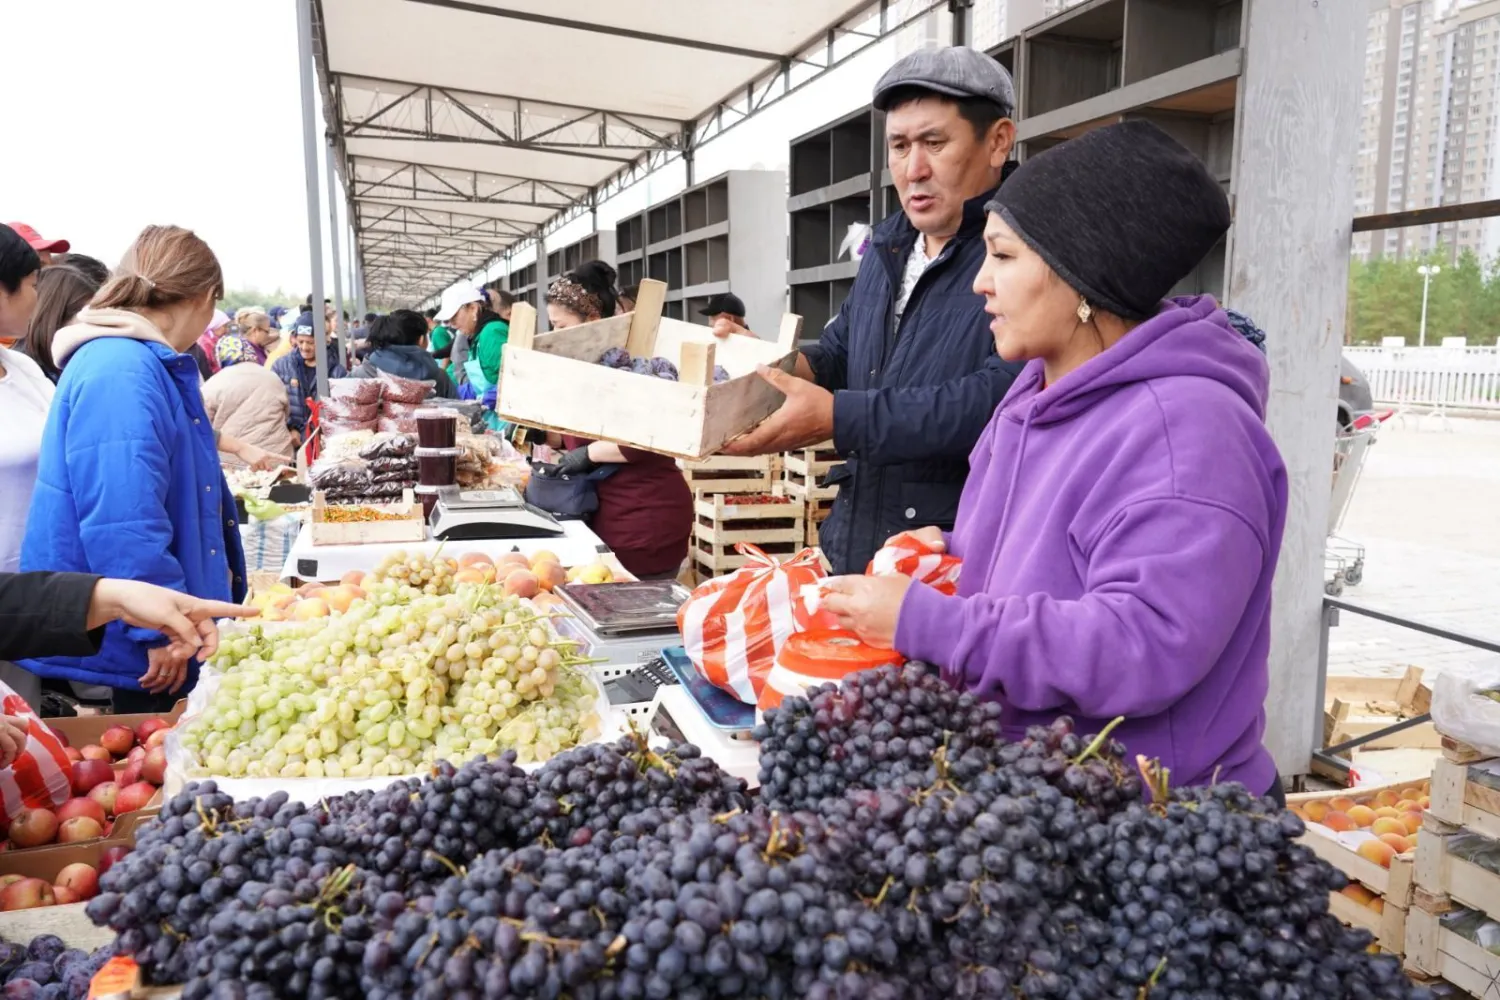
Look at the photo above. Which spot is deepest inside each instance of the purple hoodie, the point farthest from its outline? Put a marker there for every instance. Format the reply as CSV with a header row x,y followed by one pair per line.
x,y
1119,532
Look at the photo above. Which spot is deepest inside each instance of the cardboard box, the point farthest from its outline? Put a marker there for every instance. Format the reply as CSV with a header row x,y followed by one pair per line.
x,y
82,730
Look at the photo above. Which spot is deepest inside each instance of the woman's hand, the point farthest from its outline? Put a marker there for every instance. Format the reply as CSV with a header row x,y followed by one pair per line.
x,y
13,736
931,537
166,669
868,606
258,458
187,621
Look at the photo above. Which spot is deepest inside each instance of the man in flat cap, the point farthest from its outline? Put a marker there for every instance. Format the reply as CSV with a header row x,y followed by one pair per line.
x,y
905,377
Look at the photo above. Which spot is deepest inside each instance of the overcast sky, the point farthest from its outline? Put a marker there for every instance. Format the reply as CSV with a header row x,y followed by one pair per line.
x,y
123,114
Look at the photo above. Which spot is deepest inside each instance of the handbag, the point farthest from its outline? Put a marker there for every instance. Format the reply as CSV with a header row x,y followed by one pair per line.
x,y
565,496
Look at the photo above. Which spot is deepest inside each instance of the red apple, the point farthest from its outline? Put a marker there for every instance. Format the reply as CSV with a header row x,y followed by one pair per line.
x,y
80,878
62,737
6,880
130,775
144,730
79,828
26,894
110,856
88,773
73,755
156,739
118,740
135,754
84,807
95,752
62,896
105,795
154,767
33,828
134,796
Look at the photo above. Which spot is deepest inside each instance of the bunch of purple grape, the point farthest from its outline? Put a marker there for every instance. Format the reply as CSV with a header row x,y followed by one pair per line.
x,y
619,358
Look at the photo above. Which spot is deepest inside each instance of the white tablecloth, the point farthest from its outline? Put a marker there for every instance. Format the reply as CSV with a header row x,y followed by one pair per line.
x,y
577,545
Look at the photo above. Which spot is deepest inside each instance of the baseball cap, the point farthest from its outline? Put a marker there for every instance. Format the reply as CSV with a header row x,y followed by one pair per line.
x,y
723,303
38,243
455,299
954,71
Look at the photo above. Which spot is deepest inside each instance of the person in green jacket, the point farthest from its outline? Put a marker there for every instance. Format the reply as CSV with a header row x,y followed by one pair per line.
x,y
467,310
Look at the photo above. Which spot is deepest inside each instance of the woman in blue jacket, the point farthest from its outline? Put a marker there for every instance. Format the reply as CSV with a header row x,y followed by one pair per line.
x,y
129,483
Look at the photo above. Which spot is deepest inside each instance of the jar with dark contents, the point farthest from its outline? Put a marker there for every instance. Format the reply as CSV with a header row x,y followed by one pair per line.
x,y
428,495
436,427
438,466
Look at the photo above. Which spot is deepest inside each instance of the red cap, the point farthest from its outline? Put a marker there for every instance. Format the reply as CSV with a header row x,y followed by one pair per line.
x,y
35,239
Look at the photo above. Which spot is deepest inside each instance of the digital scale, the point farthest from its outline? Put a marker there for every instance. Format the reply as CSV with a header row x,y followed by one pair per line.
x,y
493,513
624,623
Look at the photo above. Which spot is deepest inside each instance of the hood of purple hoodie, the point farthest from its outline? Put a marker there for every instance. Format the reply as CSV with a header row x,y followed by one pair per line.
x,y
1119,533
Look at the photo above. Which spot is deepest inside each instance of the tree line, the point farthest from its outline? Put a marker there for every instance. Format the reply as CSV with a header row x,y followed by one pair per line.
x,y
1385,300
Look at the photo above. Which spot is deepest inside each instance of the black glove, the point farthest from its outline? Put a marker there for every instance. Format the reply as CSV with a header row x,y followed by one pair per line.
x,y
576,462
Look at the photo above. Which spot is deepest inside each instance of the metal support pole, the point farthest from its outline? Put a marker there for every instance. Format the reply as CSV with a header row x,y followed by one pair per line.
x,y
960,9
339,324
359,276
310,169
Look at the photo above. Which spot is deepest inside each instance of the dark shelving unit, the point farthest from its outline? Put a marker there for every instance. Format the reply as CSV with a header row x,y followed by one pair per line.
x,y
523,284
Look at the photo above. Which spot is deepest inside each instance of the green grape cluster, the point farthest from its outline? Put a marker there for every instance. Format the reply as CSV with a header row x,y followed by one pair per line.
x,y
387,689
430,575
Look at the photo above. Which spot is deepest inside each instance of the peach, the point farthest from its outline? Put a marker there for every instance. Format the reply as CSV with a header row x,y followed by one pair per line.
x,y
1414,792
281,603
475,560
470,576
1396,840
1388,826
1412,821
1407,805
1315,811
311,589
1410,845
1386,798
1387,812
353,578
310,608
1362,815
1376,851
551,575
1339,821
1424,802
522,583
1358,893
342,596
542,555
1341,804
515,559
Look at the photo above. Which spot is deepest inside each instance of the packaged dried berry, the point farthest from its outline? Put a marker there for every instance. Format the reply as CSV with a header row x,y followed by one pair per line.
x,y
389,445
395,389
359,391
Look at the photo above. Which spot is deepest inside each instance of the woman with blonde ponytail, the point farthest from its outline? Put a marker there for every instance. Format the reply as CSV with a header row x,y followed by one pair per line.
x,y
129,483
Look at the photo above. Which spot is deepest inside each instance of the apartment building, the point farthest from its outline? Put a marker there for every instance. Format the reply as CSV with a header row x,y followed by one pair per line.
x,y
1428,133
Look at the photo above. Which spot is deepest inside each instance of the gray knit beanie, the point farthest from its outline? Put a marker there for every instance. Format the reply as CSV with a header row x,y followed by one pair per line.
x,y
1122,214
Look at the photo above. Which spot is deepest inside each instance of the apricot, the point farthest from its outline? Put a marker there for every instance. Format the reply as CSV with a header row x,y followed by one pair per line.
x,y
511,559
1358,893
1407,805
1362,815
342,596
311,589
1412,821
474,575
1387,812
1387,825
474,559
1315,811
1339,821
550,574
522,583
1424,803
544,556
1377,852
1388,797
1396,840
1341,804
1414,792
354,578
1411,844
310,608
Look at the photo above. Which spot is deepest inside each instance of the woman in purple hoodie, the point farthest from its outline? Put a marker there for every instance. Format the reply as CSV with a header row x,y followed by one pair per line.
x,y
1123,513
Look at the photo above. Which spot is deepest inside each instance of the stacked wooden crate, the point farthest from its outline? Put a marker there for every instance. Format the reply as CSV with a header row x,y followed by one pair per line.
x,y
1465,800
1379,895
804,473
772,522
726,474
1358,706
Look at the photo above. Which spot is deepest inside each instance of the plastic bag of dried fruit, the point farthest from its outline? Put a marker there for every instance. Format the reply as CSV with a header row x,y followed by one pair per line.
x,y
733,628
41,776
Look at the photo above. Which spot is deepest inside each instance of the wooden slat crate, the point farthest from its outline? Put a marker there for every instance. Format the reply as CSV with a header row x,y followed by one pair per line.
x,y
1387,923
1357,706
814,462
1433,950
721,522
728,474
411,528
806,488
1466,795
553,381
817,513
711,560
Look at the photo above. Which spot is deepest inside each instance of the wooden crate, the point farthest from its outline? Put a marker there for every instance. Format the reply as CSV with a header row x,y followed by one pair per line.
x,y
710,560
1387,924
730,474
411,528
812,463
1465,795
1357,706
1433,950
553,381
806,488
725,521
817,513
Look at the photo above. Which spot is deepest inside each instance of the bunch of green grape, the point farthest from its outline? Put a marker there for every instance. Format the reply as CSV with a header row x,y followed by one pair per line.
x,y
386,689
430,575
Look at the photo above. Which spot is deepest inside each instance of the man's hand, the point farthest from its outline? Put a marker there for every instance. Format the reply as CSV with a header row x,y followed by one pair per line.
x,y
931,537
184,619
13,736
805,419
868,606
166,669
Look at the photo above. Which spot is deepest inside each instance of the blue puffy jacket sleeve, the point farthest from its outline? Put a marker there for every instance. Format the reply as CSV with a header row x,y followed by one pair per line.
x,y
118,467
914,423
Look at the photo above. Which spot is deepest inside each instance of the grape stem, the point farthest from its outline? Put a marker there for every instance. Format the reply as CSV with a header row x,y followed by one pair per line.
x,y
1099,741
455,869
1158,779
1155,978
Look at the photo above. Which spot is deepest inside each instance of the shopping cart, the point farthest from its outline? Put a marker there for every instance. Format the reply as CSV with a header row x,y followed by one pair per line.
x,y
1344,558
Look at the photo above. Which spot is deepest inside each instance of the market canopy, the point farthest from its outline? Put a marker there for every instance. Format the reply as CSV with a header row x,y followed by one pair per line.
x,y
465,126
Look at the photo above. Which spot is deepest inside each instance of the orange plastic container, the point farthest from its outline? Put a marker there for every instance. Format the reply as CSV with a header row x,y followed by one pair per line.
x,y
818,657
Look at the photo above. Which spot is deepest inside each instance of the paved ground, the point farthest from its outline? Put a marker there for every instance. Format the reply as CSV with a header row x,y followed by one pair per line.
x,y
1427,509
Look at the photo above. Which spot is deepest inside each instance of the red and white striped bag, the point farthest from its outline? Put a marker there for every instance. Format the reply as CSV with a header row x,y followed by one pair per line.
x,y
734,627
41,776
908,555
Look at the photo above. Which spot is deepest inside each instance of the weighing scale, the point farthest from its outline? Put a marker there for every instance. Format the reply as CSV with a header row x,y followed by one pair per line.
x,y
623,623
494,513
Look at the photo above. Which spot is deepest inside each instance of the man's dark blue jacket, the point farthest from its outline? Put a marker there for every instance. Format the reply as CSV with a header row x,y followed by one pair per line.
x,y
909,401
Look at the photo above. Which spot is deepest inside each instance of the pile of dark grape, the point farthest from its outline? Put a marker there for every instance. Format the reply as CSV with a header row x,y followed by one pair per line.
x,y
900,847
619,358
45,968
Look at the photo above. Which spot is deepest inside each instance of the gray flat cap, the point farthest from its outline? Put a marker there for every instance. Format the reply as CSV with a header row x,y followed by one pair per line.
x,y
956,71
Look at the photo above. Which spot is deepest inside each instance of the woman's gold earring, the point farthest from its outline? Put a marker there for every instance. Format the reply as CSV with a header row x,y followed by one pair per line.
x,y
1085,311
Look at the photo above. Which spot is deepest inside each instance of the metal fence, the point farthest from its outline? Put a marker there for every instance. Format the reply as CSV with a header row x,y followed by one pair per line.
x,y
1439,377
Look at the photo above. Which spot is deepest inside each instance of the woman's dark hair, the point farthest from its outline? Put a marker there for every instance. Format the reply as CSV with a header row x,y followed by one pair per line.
x,y
430,314
402,328
61,291
17,260
507,299
598,279
89,267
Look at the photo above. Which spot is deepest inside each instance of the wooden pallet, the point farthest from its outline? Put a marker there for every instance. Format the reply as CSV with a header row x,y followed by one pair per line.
x,y
728,474
1357,706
